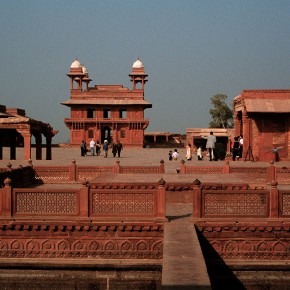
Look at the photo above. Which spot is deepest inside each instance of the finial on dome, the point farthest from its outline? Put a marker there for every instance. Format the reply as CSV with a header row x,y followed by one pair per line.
x,y
138,63
76,64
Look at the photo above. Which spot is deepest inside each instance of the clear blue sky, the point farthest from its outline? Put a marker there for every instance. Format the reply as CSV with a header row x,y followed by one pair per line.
x,y
191,50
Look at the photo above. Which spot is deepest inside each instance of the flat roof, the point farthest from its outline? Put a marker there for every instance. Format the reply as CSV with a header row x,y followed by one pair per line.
x,y
267,105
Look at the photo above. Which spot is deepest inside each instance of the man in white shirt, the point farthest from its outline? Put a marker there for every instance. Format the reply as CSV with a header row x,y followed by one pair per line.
x,y
210,145
92,147
175,154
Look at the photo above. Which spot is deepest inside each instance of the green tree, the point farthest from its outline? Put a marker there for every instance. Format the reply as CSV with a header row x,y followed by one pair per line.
x,y
221,114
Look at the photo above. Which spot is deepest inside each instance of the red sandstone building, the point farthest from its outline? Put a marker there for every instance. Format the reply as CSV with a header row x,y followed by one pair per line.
x,y
263,118
17,130
111,112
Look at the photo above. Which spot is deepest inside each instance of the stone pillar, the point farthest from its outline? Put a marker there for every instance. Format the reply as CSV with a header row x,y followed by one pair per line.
x,y
84,200
227,168
246,132
237,124
271,172
38,140
48,147
7,199
27,145
115,133
274,200
161,202
73,171
117,167
71,83
196,199
161,167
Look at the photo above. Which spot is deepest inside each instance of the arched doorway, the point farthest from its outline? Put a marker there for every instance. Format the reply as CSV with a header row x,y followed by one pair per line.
x,y
106,134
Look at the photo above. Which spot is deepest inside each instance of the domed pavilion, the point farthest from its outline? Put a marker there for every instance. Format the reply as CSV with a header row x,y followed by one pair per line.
x,y
107,112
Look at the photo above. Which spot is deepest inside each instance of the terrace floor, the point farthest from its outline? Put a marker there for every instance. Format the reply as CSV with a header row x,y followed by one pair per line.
x,y
143,157
180,238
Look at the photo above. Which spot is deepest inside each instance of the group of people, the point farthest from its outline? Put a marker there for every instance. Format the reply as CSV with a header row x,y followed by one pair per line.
x,y
95,147
210,146
175,155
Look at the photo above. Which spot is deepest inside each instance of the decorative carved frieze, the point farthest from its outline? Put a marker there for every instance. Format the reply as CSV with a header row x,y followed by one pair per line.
x,y
253,241
89,241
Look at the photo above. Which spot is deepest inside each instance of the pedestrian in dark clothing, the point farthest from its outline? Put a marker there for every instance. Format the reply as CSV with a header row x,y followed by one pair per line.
x,y
83,148
119,148
236,148
98,148
170,155
114,149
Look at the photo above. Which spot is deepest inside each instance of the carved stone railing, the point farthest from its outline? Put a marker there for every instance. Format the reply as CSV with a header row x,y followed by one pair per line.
x,y
238,201
92,201
24,176
241,223
284,203
199,169
260,173
93,222
283,175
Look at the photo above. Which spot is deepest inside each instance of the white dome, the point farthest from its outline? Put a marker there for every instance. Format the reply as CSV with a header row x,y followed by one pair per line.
x,y
85,71
138,64
76,64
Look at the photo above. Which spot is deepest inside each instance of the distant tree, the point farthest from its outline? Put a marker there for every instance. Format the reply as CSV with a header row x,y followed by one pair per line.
x,y
221,114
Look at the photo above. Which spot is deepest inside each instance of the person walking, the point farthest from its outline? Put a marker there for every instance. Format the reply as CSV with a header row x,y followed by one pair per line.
x,y
119,148
188,152
114,149
236,149
210,145
83,148
199,153
92,147
98,148
170,155
106,148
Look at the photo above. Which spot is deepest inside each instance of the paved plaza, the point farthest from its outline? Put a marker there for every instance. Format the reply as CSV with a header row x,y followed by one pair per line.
x,y
139,157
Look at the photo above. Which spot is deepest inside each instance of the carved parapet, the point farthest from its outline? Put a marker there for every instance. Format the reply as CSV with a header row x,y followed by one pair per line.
x,y
196,199
38,240
243,242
